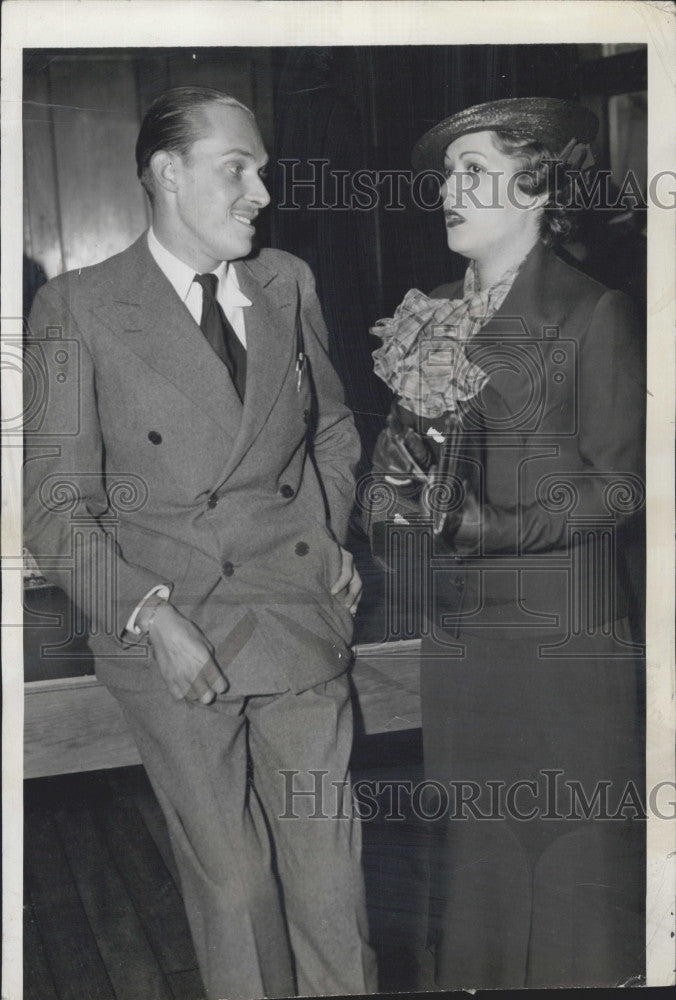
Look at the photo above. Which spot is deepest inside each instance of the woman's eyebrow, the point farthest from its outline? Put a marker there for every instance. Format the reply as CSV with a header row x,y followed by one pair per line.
x,y
468,152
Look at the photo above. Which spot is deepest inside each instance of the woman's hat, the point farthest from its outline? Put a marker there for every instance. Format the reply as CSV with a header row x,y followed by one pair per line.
x,y
557,124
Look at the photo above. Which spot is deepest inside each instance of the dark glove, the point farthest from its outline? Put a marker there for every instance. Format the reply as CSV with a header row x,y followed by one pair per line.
x,y
462,528
402,461
401,452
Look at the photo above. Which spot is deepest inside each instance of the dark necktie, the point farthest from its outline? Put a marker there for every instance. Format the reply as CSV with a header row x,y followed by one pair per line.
x,y
220,334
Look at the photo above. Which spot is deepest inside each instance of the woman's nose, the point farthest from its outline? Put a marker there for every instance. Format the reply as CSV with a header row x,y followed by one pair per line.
x,y
449,189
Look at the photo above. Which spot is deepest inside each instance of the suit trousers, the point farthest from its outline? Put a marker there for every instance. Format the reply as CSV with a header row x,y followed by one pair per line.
x,y
256,795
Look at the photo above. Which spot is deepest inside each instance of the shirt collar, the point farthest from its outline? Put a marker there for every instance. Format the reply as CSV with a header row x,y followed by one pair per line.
x,y
236,296
181,276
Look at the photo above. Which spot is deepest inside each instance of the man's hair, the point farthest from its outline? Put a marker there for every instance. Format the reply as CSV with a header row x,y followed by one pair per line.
x,y
175,121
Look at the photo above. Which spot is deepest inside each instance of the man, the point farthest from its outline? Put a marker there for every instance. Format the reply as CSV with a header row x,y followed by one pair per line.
x,y
189,487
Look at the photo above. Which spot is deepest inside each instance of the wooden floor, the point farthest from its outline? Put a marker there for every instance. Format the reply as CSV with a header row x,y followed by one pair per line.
x,y
103,917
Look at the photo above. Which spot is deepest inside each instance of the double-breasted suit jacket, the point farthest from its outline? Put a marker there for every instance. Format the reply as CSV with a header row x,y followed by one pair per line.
x,y
143,467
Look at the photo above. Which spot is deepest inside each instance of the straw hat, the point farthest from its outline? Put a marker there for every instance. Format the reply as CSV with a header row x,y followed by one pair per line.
x,y
560,125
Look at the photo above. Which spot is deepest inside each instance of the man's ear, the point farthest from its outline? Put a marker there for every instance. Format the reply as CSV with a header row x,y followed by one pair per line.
x,y
163,167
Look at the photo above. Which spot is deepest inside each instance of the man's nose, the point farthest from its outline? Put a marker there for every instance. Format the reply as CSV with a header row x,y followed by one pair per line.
x,y
258,193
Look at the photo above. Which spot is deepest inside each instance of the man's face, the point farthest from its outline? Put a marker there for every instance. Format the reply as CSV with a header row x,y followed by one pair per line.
x,y
219,189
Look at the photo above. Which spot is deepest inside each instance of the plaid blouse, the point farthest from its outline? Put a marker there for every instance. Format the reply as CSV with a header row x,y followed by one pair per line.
x,y
422,357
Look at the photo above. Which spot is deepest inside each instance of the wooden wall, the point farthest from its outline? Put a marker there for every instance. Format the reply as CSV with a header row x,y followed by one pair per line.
x,y
82,112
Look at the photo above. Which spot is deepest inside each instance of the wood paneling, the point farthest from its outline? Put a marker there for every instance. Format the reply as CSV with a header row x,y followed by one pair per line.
x,y
82,199
75,724
95,127
42,227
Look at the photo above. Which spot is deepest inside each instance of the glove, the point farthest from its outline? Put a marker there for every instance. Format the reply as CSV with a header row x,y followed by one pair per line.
x,y
462,528
400,452
402,461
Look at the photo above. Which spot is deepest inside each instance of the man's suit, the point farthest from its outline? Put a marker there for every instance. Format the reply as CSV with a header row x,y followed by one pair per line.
x,y
168,478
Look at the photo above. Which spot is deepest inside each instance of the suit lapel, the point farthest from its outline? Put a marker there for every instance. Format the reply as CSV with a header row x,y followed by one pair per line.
x,y
271,344
151,320
509,346
518,316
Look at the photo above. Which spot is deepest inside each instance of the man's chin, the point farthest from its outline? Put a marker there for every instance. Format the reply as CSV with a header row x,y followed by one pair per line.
x,y
238,248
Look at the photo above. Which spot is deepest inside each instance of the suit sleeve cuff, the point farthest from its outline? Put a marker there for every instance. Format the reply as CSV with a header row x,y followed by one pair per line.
x,y
162,591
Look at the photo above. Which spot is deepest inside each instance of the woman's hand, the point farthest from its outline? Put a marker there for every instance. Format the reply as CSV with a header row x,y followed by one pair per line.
x,y
400,452
465,531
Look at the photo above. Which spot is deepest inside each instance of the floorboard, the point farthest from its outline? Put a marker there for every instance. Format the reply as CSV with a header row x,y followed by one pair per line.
x,y
186,985
133,781
129,959
38,980
76,966
147,881
104,905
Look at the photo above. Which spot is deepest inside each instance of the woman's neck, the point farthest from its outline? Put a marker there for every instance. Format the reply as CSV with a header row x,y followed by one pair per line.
x,y
491,267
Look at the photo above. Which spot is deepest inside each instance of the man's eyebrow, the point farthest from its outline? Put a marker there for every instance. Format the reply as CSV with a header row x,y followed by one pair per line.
x,y
241,152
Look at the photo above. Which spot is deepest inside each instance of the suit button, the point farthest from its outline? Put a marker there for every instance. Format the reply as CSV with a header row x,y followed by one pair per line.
x,y
286,491
302,548
228,569
212,501
154,437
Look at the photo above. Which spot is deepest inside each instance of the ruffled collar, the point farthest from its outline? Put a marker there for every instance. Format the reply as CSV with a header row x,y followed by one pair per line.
x,y
423,355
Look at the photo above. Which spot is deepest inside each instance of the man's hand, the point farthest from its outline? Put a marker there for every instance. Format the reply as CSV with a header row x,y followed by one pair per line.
x,y
348,586
184,656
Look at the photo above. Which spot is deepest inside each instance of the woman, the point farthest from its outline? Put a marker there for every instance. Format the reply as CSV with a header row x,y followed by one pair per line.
x,y
518,431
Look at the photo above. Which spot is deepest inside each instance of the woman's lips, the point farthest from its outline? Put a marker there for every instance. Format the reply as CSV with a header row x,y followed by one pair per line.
x,y
453,219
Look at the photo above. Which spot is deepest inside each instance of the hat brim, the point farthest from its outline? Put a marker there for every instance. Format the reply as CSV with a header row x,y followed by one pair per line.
x,y
540,119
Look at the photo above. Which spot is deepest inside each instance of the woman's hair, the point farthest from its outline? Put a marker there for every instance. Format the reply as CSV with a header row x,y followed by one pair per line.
x,y
538,175
175,121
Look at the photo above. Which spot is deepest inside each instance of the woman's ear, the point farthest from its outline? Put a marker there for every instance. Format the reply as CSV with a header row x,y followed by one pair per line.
x,y
163,170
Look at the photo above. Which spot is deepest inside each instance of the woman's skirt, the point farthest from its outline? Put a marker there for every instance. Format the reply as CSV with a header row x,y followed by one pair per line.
x,y
535,765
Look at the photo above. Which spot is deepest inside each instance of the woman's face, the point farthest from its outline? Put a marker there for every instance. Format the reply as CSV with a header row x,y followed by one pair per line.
x,y
485,211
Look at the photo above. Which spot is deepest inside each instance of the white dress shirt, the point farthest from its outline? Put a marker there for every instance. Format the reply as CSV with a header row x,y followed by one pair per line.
x,y
232,301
